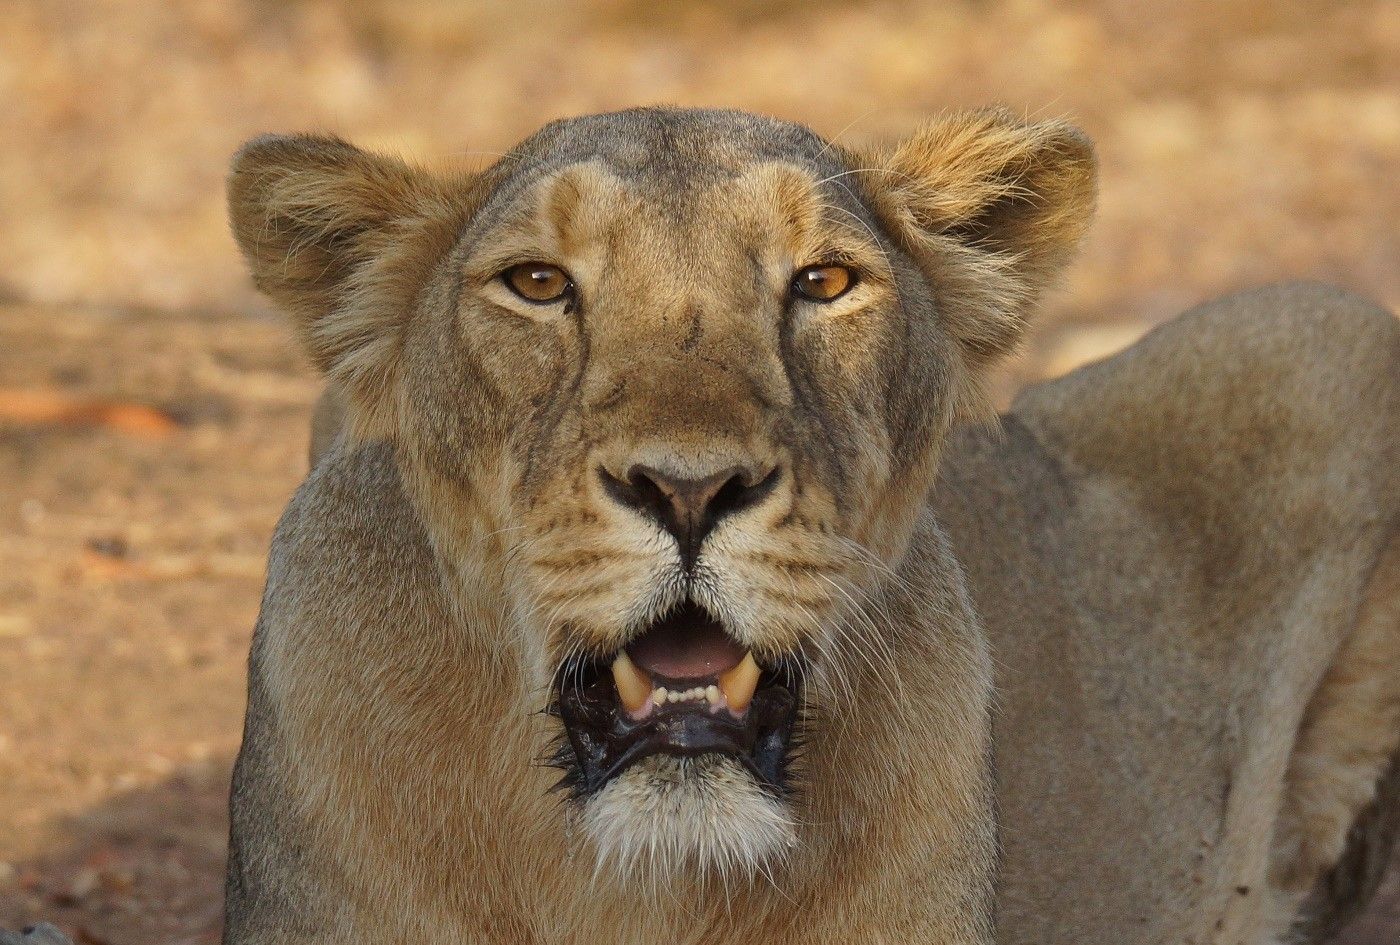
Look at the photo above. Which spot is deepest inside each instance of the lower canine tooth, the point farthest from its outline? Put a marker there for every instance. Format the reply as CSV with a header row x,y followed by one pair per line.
x,y
633,686
739,683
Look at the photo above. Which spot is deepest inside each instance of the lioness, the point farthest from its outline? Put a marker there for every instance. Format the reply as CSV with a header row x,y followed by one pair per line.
x,y
621,605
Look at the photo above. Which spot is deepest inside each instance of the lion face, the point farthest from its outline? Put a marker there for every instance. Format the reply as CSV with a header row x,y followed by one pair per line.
x,y
697,439
668,388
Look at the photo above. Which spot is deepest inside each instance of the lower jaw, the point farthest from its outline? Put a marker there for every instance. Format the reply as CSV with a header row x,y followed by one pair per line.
x,y
667,817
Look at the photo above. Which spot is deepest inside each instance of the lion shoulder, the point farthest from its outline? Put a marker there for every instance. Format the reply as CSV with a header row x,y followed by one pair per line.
x,y
1189,551
1282,400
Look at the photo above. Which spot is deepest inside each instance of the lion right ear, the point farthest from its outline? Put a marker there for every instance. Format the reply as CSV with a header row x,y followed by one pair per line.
x,y
992,207
343,241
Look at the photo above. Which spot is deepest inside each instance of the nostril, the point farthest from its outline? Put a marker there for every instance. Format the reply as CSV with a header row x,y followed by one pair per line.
x,y
688,508
740,491
637,491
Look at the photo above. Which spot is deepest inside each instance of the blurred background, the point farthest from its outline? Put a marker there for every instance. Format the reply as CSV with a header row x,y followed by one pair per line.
x,y
153,410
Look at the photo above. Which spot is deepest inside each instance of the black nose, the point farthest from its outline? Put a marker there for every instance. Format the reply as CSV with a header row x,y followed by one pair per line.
x,y
689,508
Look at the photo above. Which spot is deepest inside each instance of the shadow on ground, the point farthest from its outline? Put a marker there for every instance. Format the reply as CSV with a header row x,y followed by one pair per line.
x,y
145,868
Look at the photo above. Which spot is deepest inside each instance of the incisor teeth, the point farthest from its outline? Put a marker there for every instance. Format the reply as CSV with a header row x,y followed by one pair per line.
x,y
735,688
738,684
633,686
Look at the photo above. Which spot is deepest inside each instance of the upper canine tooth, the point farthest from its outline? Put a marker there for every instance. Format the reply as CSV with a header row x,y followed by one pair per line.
x,y
739,683
633,686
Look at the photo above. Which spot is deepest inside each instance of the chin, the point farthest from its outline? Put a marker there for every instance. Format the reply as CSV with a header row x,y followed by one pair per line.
x,y
676,752
669,818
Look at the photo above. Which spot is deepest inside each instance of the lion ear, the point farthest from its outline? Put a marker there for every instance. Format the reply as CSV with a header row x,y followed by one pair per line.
x,y
991,208
342,240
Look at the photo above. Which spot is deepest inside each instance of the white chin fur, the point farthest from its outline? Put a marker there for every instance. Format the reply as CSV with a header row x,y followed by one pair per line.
x,y
668,818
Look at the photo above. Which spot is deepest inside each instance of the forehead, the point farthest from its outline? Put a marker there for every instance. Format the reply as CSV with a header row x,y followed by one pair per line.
x,y
670,146
676,174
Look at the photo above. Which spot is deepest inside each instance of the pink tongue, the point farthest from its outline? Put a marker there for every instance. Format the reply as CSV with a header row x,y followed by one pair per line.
x,y
687,644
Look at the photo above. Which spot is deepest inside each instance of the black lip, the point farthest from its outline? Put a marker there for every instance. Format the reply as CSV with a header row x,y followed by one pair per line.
x,y
601,741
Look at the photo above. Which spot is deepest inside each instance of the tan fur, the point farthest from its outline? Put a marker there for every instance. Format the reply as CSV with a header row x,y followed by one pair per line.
x,y
1185,557
1175,604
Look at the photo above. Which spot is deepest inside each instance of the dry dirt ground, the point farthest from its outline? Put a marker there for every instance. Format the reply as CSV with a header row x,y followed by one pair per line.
x,y
136,512
153,412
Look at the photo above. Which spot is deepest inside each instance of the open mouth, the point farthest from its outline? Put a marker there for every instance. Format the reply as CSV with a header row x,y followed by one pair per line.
x,y
684,687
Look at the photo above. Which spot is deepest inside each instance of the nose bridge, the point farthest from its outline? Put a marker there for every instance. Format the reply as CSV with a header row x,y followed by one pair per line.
x,y
677,377
693,395
683,419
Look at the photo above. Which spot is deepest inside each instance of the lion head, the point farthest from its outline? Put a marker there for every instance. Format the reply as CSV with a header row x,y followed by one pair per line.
x,y
667,389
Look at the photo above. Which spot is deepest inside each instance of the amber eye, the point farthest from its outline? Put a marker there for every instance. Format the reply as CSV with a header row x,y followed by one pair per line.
x,y
538,282
822,283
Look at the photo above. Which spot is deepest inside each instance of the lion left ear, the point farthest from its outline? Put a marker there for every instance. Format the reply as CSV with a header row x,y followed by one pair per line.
x,y
991,208
342,240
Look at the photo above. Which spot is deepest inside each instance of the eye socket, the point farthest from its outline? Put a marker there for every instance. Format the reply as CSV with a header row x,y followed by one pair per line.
x,y
538,282
823,283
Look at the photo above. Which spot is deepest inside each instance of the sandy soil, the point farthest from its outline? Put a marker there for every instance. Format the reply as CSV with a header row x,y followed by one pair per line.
x,y
132,566
153,412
